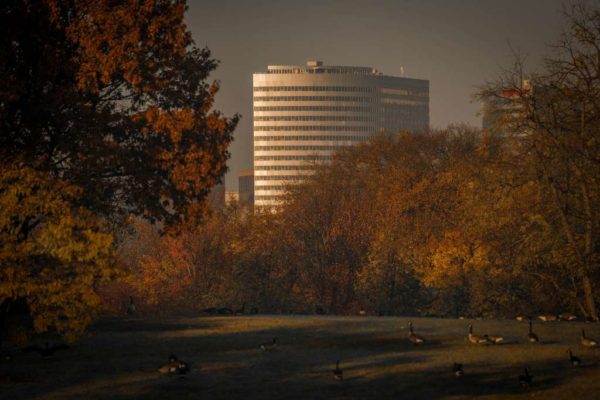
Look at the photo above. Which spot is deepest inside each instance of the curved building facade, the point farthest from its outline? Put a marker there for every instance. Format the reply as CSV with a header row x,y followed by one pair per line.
x,y
303,114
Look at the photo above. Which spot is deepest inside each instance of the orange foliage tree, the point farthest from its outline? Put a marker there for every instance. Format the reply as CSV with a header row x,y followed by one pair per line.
x,y
110,98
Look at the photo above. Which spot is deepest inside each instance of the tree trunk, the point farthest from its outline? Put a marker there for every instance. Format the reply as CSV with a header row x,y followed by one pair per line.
x,y
582,267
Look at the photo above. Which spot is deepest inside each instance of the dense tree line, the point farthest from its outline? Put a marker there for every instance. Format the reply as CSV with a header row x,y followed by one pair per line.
x,y
456,222
452,222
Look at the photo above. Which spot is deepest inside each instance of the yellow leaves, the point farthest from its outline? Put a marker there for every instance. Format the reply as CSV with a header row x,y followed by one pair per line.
x,y
52,253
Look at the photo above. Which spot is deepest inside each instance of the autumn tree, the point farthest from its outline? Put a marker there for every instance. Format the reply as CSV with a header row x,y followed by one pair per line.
x,y
553,119
51,253
110,98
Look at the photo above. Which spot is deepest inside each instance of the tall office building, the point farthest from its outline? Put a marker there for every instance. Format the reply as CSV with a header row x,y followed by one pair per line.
x,y
304,114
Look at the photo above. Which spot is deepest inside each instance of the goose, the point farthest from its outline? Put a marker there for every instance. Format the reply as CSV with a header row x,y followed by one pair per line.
x,y
210,310
338,374
532,337
457,369
476,339
586,341
254,310
567,316
525,380
547,317
241,310
494,338
269,345
174,366
7,355
47,351
130,307
575,361
413,337
225,311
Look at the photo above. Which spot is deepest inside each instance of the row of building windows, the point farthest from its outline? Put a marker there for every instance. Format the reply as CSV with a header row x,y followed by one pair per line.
x,y
336,128
259,178
283,167
388,98
267,198
315,98
383,108
312,157
364,89
360,118
317,108
297,148
312,138
328,70
359,89
280,188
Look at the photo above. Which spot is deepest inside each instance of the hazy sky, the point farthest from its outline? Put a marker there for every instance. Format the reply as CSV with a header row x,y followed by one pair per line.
x,y
455,44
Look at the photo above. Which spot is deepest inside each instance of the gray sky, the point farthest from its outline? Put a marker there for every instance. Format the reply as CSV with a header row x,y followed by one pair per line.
x,y
455,44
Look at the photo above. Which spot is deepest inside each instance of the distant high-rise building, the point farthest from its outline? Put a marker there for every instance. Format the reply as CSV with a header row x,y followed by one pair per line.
x,y
500,112
304,114
246,188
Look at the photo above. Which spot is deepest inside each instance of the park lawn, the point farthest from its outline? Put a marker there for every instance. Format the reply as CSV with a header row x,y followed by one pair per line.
x,y
119,357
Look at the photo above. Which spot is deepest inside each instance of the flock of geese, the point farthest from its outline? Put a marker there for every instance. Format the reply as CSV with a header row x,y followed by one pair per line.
x,y
486,339
176,366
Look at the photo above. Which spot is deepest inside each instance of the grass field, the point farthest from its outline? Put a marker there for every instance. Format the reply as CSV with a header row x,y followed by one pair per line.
x,y
119,358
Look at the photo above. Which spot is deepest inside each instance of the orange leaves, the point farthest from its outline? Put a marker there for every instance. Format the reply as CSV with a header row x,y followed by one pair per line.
x,y
122,38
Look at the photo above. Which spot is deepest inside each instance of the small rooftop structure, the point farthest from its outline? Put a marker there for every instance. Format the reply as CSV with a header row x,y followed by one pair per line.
x,y
317,67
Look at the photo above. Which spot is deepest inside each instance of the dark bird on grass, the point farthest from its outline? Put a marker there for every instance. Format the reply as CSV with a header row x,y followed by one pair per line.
x,y
319,310
269,346
525,379
225,311
47,351
130,307
338,374
567,316
241,310
7,355
254,311
457,370
532,337
210,310
476,339
574,360
548,317
174,366
412,336
586,341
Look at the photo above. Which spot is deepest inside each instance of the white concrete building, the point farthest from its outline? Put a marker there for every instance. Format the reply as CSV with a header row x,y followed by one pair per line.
x,y
302,115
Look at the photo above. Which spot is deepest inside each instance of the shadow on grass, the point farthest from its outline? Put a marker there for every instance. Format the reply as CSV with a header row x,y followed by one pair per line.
x,y
147,325
377,363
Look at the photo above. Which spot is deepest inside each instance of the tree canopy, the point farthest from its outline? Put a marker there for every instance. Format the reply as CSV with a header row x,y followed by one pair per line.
x,y
106,112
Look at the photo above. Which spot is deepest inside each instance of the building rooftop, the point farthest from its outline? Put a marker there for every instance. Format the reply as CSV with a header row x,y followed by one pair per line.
x,y
317,67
